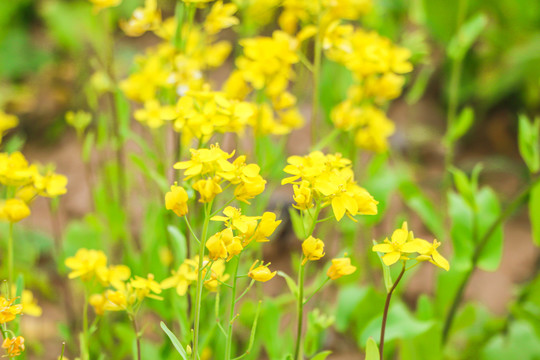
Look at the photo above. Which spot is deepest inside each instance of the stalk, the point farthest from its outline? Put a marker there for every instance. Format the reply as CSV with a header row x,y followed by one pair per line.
x,y
137,337
300,307
10,259
228,347
198,295
386,308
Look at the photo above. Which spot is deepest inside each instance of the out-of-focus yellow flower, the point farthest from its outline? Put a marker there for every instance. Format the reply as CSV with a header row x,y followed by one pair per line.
x,y
340,267
14,210
234,219
209,162
103,4
14,169
51,185
7,122
217,275
8,311
181,278
147,18
113,275
98,302
154,114
14,346
176,200
261,273
86,264
401,243
313,249
146,287
29,303
220,17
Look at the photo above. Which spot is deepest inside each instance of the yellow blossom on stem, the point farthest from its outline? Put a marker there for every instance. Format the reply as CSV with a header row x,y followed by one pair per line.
x,y
313,249
267,226
154,114
147,18
212,161
181,278
29,303
146,287
14,210
86,263
208,189
7,122
429,252
14,346
235,220
340,267
8,311
261,273
176,200
103,4
220,17
401,243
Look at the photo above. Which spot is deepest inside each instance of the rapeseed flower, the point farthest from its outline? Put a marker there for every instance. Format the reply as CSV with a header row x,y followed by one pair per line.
x,y
176,200
220,17
340,267
8,311
14,346
313,249
181,278
261,273
14,210
86,264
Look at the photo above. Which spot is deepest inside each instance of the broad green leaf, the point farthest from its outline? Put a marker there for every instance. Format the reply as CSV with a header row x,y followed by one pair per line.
x,y
464,186
521,343
381,183
322,355
348,299
175,341
400,324
489,209
534,213
466,36
462,124
372,350
528,136
423,206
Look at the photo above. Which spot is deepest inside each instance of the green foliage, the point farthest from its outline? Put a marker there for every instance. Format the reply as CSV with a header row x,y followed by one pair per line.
x,y
529,143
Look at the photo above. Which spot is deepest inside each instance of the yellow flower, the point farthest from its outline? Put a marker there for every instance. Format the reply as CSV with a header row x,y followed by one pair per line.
x,y
302,196
14,346
14,210
29,303
235,220
143,19
176,200
8,312
208,189
86,263
220,17
153,114
145,287
98,302
113,275
102,4
340,267
213,161
217,275
224,245
79,120
401,243
261,273
429,252
182,278
51,185
267,226
313,249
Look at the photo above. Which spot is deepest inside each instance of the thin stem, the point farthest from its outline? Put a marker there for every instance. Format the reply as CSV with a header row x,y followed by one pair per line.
x,y
85,350
228,346
10,259
518,200
191,230
300,307
386,308
316,78
137,335
198,295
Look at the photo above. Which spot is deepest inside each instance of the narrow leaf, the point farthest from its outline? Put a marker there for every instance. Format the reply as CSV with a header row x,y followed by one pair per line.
x,y
372,350
175,341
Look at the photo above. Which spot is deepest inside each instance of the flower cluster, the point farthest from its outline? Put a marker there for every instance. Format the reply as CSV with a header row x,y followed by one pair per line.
x,y
322,180
402,243
377,66
210,169
8,312
26,182
186,274
240,231
123,293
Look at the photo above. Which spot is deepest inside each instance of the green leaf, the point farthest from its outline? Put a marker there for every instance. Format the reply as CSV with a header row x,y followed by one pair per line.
x,y
290,283
466,36
88,146
528,136
298,224
348,299
534,213
423,206
520,343
372,350
322,355
179,241
464,186
388,283
175,341
462,124
152,174
400,324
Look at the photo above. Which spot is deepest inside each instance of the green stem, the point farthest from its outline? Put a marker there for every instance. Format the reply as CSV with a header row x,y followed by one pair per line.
x,y
85,351
228,347
316,80
318,289
10,259
198,295
137,336
386,308
518,200
300,308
